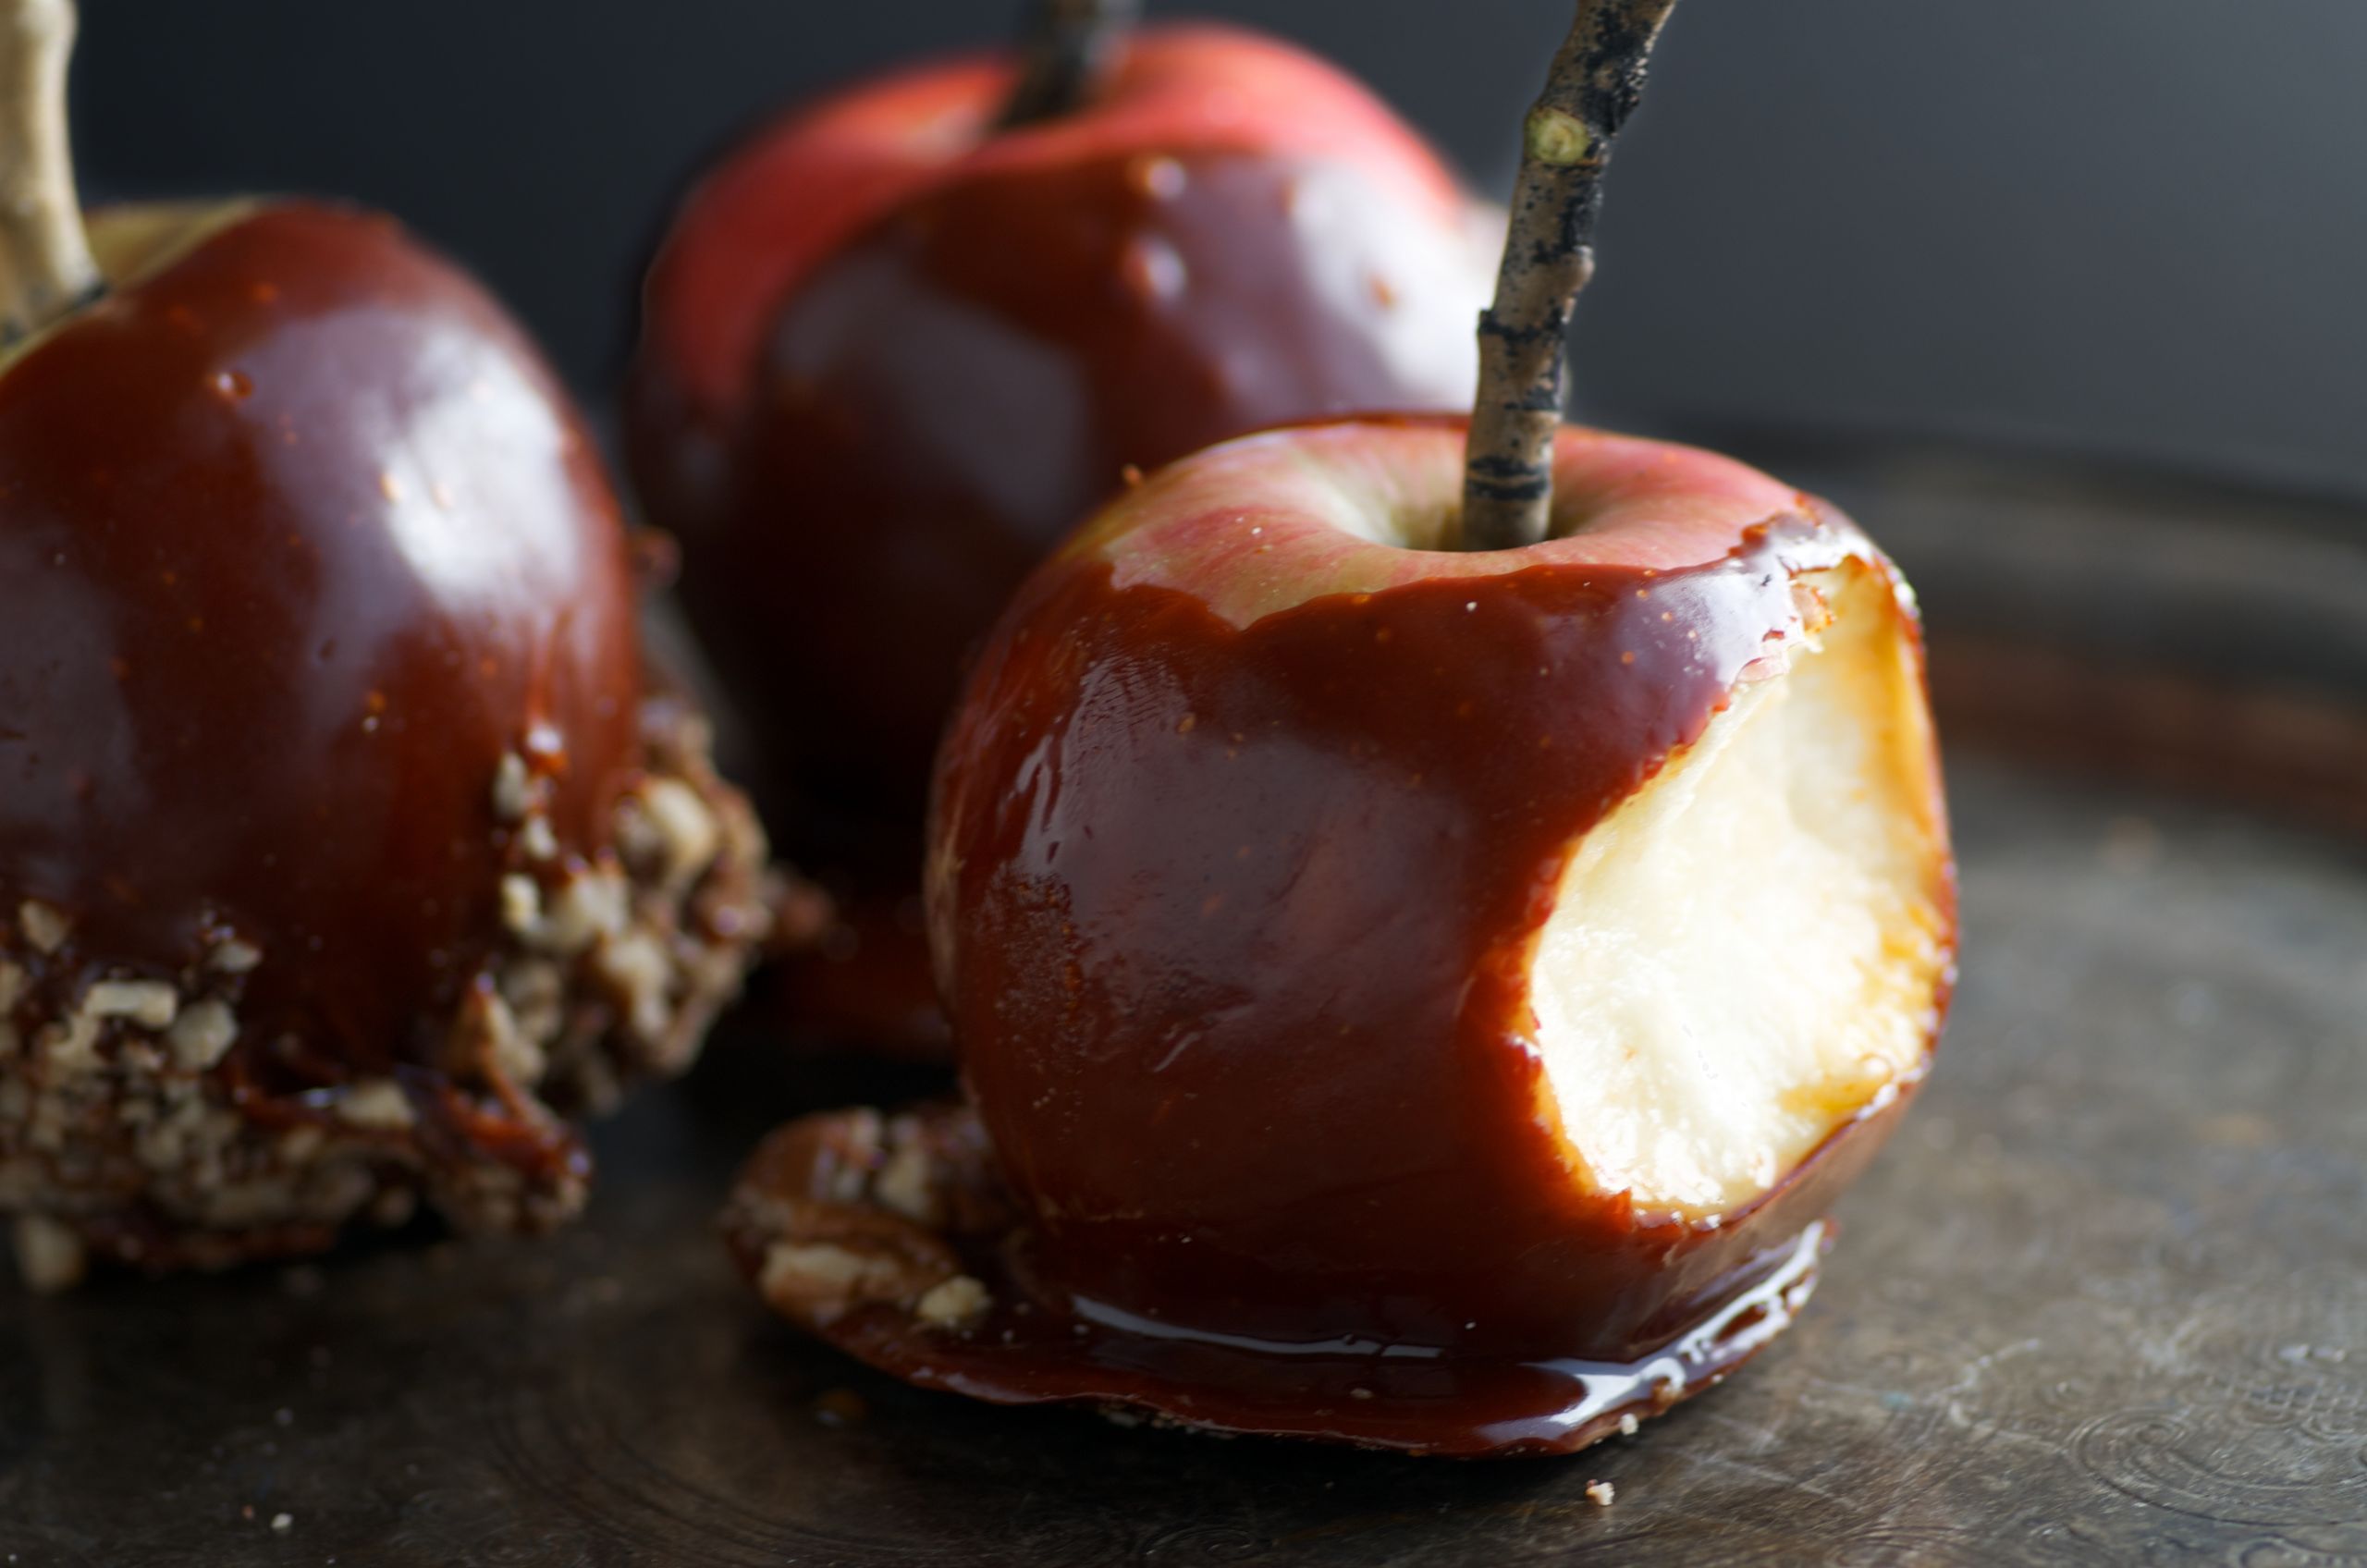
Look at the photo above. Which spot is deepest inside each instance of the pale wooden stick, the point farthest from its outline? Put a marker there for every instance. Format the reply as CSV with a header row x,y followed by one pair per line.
x,y
45,265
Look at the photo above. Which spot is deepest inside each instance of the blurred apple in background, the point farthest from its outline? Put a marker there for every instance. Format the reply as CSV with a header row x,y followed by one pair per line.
x,y
892,351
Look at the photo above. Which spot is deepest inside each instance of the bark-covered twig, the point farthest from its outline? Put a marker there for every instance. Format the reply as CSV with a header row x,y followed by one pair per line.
x,y
1597,79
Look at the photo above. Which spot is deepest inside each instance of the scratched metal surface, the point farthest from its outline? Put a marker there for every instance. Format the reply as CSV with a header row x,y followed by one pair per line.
x,y
2104,1300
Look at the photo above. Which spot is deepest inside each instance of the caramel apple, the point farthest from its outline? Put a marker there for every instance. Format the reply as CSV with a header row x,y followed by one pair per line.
x,y
1433,912
345,845
906,338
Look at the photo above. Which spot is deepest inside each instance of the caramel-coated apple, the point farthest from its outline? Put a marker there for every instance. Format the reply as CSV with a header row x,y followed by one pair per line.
x,y
344,845
1416,994
894,347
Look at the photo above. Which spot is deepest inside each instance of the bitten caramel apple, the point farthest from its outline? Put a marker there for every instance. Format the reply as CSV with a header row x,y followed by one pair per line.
x,y
345,847
1412,994
906,338
1433,912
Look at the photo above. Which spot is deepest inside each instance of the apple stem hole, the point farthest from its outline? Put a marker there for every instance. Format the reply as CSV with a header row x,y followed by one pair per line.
x,y
46,269
1065,50
1596,81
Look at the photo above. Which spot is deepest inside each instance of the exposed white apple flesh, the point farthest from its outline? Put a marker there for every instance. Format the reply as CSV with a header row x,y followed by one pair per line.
x,y
1746,954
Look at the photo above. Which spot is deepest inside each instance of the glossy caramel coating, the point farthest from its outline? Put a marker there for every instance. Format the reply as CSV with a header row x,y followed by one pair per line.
x,y
894,1240
298,539
1234,912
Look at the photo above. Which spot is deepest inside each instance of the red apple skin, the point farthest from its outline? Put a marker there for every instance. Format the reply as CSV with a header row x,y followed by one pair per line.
x,y
298,537
1241,838
892,356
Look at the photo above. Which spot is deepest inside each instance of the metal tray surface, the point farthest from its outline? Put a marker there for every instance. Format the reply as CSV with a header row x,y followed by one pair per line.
x,y
2103,1300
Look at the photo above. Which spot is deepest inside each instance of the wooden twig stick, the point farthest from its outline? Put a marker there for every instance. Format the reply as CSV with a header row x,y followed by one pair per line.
x,y
1065,50
1597,79
45,265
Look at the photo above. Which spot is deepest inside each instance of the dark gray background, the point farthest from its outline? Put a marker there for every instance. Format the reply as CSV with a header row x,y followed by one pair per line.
x,y
2132,227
